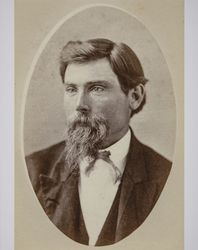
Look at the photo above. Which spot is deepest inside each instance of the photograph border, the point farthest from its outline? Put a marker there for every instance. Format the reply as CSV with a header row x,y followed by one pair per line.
x,y
7,115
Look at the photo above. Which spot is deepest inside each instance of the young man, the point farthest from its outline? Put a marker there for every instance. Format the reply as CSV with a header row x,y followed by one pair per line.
x,y
101,183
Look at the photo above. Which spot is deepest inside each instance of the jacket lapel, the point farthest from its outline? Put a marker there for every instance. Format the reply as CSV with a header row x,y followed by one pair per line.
x,y
134,173
61,200
136,192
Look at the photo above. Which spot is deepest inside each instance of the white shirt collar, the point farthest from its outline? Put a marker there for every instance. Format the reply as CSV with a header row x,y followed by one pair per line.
x,y
119,151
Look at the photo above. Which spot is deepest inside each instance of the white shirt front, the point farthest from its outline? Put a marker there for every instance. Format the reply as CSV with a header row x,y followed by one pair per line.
x,y
98,189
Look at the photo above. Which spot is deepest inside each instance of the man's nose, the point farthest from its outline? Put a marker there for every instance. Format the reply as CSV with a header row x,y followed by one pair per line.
x,y
82,103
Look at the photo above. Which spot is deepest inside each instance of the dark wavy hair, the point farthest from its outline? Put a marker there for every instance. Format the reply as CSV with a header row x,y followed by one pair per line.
x,y
123,61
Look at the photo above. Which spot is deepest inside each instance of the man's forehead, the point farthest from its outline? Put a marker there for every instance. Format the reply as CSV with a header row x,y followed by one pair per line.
x,y
97,70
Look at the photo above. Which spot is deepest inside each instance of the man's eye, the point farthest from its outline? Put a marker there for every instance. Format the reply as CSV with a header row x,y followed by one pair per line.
x,y
98,89
71,90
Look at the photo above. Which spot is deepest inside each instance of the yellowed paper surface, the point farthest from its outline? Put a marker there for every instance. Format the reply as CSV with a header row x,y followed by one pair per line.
x,y
36,22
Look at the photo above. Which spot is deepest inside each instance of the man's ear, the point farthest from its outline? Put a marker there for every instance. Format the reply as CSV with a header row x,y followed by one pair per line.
x,y
136,96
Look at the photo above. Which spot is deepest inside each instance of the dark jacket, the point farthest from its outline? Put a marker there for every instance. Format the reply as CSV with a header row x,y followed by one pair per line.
x,y
144,177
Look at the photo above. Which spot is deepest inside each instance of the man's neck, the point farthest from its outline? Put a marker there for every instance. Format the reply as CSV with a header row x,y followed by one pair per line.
x,y
112,139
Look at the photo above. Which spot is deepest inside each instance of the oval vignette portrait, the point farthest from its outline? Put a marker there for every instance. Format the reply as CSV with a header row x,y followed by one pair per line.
x,y
99,125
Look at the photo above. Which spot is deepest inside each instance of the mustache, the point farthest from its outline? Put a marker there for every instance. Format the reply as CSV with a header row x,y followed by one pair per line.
x,y
84,136
96,123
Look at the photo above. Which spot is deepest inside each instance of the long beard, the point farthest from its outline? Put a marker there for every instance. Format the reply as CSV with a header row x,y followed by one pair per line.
x,y
84,136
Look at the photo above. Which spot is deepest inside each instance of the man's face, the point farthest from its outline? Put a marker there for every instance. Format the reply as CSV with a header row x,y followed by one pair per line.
x,y
92,88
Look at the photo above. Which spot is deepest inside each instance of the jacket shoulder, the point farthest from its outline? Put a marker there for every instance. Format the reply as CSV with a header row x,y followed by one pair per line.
x,y
157,166
41,162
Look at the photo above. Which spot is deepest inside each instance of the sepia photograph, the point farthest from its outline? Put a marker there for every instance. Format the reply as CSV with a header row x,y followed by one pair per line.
x,y
99,119
99,126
